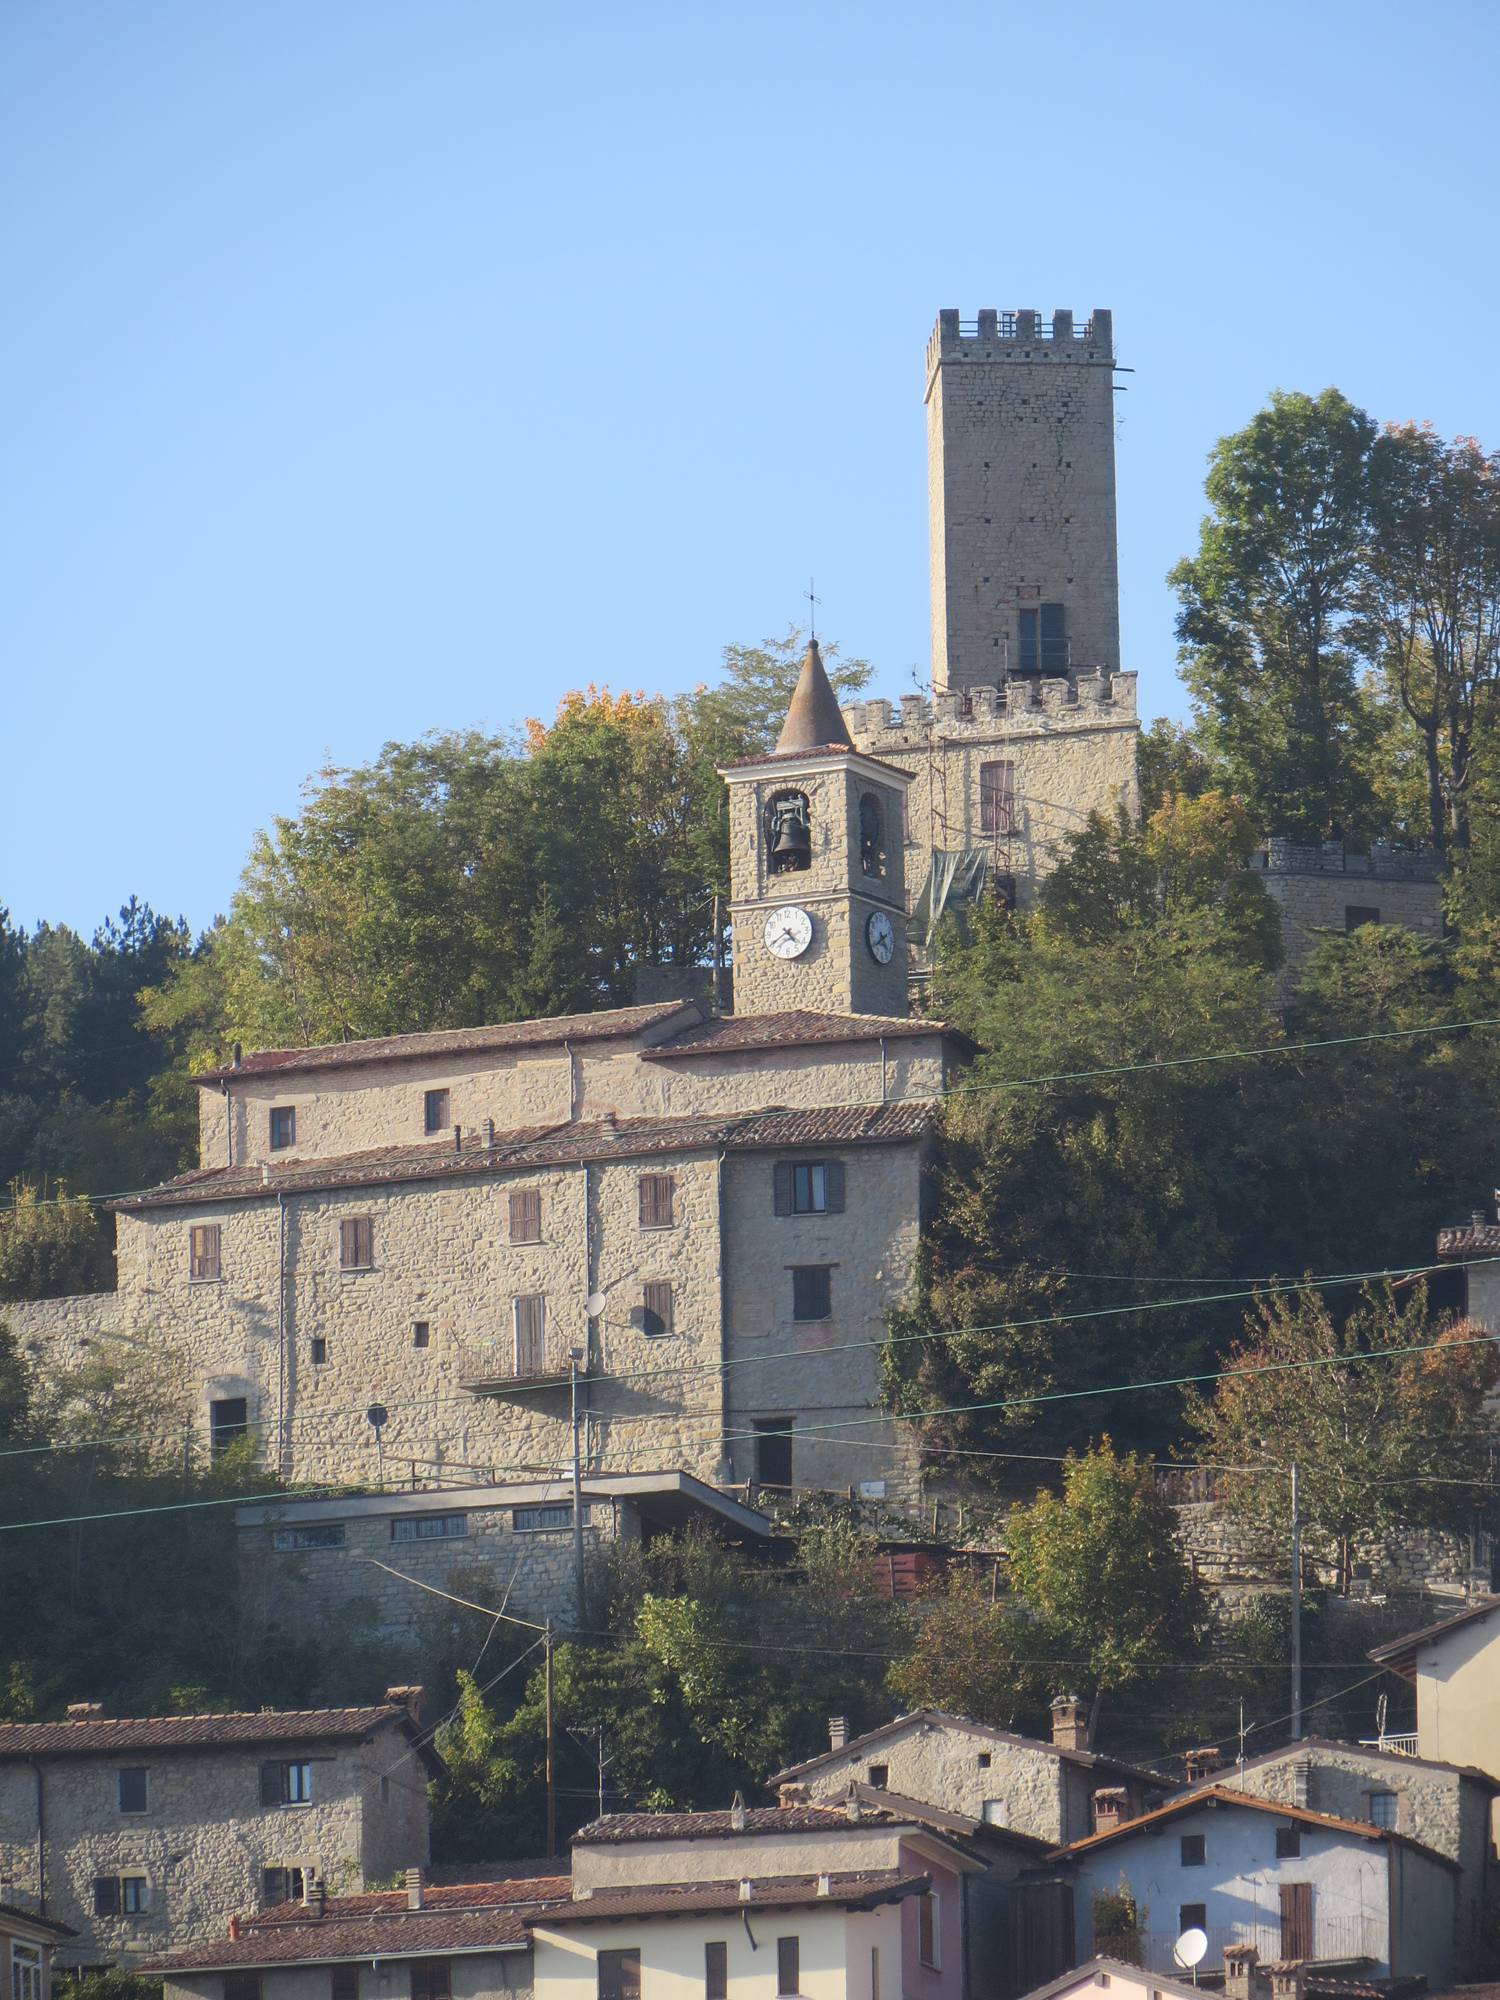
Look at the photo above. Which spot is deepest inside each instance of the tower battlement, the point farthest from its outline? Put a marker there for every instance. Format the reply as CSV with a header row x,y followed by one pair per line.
x,y
1023,334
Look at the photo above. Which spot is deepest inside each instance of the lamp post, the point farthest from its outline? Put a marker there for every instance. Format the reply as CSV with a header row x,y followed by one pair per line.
x,y
378,1416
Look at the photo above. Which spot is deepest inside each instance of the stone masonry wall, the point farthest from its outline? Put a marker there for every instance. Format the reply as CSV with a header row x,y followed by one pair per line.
x,y
1020,489
836,974
205,1837
1311,899
383,1104
929,1761
1073,753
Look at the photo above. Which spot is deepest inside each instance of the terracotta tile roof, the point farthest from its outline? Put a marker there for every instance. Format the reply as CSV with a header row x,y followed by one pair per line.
x,y
105,1735
1470,1239
616,1828
292,1935
541,1146
1223,1795
484,1893
864,1891
1397,1760
610,1024
812,750
796,1027
36,1922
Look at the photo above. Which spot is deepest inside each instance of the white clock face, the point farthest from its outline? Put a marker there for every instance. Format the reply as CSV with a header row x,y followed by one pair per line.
x,y
880,935
788,932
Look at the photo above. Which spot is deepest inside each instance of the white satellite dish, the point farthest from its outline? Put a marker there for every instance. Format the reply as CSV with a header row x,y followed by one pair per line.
x,y
596,1304
1191,1948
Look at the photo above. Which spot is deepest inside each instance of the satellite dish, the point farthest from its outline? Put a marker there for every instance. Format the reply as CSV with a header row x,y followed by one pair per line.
x,y
1191,1948
596,1304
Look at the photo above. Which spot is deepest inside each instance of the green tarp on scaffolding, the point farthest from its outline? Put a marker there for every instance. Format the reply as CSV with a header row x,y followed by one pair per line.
x,y
960,878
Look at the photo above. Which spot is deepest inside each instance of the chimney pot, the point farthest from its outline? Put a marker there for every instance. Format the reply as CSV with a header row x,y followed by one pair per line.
x,y
746,1888
414,1888
737,1813
788,1796
489,1134
234,1930
825,1884
1070,1723
236,1055
838,1732
852,1808
411,1695
458,1138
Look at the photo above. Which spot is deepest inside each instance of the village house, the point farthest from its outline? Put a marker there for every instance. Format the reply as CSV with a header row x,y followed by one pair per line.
x,y
27,1942
1446,1807
1454,1666
1294,1884
141,1834
1053,1791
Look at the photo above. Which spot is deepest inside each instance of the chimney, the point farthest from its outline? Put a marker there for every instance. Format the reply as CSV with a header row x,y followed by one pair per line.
x,y
825,1884
414,1889
1301,1781
85,1711
1111,1808
234,1930
1070,1723
236,1055
746,1888
314,1894
852,1807
1243,1977
1203,1762
458,1138
838,1731
411,1696
1288,1978
788,1796
737,1813
265,1174
489,1135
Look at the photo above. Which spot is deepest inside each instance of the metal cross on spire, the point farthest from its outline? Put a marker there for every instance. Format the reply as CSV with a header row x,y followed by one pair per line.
x,y
812,616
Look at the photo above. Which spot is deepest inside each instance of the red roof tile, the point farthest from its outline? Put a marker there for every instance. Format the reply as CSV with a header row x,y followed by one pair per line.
x,y
861,1891
540,1146
630,1827
106,1735
795,1027
394,1933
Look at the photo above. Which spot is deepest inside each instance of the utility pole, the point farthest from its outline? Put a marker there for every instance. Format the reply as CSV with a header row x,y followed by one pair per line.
x,y
1296,1614
551,1766
574,1355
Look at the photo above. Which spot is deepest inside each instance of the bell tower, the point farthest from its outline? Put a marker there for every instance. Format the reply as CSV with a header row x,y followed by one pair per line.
x,y
817,882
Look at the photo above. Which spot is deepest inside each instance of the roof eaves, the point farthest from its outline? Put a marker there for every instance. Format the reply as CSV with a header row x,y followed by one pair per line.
x,y
1429,1635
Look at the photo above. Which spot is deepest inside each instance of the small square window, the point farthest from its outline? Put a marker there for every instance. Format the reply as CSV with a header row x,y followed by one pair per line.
x,y
319,1349
1288,1843
241,1986
283,1127
357,1244
984,1760
1192,1917
280,1885
879,1776
1193,1855
430,1979
656,1311
812,1292
1383,1809
526,1215
656,1201
133,1790
1357,915
419,1333
435,1111
203,1251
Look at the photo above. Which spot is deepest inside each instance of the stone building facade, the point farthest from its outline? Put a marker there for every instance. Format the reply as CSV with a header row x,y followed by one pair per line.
x,y
143,1835
1321,888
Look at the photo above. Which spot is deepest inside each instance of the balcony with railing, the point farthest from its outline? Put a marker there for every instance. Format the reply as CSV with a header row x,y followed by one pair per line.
x,y
1353,1939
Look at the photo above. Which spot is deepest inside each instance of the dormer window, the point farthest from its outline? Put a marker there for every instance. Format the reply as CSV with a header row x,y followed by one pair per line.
x,y
788,831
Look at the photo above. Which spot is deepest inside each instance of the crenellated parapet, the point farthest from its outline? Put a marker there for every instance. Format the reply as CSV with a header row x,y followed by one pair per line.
x,y
1090,700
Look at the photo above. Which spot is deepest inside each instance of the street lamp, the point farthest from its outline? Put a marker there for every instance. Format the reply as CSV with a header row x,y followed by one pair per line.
x,y
378,1415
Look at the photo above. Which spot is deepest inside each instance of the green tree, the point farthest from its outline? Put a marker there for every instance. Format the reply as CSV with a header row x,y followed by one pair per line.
x,y
1265,606
1429,606
1385,1427
52,1247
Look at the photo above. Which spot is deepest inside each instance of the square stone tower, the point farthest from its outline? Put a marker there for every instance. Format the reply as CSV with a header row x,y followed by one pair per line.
x,y
817,877
1021,498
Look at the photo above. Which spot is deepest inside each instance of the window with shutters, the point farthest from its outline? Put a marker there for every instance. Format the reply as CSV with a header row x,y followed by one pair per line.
x,y
871,834
280,1885
431,1979
283,1127
716,1972
656,1312
1044,645
288,1784
357,1244
929,1932
808,1187
1296,1920
812,1291
997,798
133,1790
526,1215
203,1251
435,1111
788,1965
135,1895
619,1975
241,1986
106,1895
656,1201
531,1331
344,1982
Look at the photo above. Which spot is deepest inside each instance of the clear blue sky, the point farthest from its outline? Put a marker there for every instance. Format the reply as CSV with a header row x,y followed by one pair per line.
x,y
373,369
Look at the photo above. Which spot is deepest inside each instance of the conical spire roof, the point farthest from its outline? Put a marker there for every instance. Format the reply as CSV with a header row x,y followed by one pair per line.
x,y
814,720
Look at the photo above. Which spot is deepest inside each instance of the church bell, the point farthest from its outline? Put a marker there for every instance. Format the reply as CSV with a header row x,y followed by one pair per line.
x,y
793,848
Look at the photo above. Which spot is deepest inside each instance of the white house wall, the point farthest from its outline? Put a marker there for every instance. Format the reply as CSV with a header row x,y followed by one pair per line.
x,y
834,1950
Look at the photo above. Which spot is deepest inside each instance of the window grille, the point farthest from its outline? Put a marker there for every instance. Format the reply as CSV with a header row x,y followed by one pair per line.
x,y
321,1535
429,1527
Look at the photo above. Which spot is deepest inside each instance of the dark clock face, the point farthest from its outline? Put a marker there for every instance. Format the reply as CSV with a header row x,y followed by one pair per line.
x,y
880,936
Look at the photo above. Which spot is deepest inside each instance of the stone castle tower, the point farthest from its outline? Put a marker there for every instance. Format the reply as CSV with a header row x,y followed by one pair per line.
x,y
1032,723
1021,497
817,866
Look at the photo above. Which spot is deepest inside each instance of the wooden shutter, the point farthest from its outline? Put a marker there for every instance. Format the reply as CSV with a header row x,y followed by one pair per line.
x,y
997,794
106,1895
203,1250
531,1346
833,1186
1296,1920
271,1780
656,1201
357,1243
657,1311
781,1185
526,1215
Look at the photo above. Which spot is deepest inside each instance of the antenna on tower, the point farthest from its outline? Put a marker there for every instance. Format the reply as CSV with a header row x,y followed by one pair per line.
x,y
812,616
